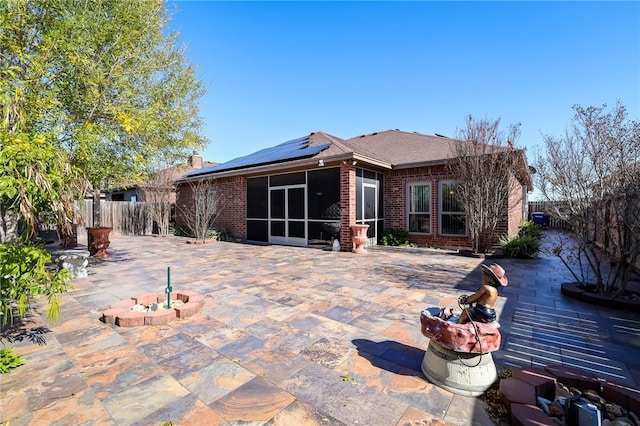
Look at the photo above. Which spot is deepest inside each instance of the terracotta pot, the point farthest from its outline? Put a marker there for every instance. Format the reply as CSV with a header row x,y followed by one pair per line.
x,y
359,238
98,241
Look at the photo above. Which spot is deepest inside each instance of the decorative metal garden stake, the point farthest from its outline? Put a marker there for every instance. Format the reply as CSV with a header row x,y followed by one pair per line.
x,y
169,288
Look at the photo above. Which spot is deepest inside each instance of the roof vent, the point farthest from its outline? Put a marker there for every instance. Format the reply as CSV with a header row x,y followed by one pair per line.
x,y
440,136
374,133
362,136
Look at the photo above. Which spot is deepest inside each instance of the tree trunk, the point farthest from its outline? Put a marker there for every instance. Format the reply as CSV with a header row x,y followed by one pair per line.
x,y
96,208
8,225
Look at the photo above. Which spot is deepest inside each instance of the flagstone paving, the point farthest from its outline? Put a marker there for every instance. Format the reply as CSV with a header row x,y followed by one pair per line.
x,y
290,336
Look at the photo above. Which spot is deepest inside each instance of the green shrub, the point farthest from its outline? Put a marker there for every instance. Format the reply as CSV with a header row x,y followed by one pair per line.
x,y
528,228
24,276
219,234
520,246
395,237
179,231
9,360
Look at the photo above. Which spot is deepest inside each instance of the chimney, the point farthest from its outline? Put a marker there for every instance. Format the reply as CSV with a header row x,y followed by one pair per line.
x,y
195,161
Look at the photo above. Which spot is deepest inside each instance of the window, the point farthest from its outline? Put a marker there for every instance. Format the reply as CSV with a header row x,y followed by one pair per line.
x,y
419,199
453,220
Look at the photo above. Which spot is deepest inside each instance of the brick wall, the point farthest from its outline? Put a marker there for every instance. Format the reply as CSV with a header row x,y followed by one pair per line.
x,y
395,213
233,204
233,215
347,204
184,204
516,206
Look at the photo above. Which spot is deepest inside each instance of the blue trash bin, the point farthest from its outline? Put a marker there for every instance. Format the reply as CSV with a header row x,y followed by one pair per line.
x,y
539,218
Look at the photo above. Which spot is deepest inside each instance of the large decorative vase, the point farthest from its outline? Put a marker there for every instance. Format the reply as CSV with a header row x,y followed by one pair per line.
x,y
359,238
98,241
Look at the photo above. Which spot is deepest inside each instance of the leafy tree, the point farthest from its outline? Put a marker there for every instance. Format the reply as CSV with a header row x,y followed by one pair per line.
x,y
89,91
593,174
36,181
105,78
487,168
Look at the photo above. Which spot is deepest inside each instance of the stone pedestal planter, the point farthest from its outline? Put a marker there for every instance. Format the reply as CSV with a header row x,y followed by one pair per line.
x,y
359,237
73,260
462,373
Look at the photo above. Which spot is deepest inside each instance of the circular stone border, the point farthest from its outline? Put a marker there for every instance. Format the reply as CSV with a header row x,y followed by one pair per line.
x,y
120,313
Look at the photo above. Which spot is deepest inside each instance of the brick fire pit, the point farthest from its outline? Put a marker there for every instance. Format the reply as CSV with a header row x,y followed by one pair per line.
x,y
121,313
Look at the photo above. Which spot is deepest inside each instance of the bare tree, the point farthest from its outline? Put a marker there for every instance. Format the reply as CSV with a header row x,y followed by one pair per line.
x,y
158,195
485,166
203,208
594,170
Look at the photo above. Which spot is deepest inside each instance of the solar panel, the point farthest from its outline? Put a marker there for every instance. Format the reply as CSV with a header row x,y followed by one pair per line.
x,y
295,148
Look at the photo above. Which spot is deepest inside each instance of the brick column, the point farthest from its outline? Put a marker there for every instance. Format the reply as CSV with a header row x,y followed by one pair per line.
x,y
347,204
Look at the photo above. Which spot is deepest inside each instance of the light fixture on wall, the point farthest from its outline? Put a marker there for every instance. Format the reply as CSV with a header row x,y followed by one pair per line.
x,y
320,163
354,162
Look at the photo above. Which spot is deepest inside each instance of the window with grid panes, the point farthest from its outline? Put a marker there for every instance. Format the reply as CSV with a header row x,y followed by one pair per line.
x,y
419,209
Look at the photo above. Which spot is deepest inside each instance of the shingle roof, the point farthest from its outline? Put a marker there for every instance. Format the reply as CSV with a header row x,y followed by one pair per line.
x,y
401,148
393,148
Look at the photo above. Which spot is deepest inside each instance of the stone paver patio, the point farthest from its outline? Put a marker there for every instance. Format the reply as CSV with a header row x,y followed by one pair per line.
x,y
290,336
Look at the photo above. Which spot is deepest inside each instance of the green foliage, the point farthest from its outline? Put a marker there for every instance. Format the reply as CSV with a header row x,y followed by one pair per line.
x,y
106,78
347,378
525,244
219,234
180,231
528,228
95,91
24,276
395,237
520,246
36,178
9,360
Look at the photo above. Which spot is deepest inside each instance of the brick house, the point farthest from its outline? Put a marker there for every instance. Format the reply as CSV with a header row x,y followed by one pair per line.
x,y
307,191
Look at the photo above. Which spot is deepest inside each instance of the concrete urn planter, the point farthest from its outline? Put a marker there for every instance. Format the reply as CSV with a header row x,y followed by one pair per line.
x,y
98,241
359,237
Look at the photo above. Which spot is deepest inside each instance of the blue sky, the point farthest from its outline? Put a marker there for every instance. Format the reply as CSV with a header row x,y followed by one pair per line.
x,y
275,71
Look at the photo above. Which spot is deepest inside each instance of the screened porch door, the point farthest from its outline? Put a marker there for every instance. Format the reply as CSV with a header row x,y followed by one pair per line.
x,y
287,215
370,211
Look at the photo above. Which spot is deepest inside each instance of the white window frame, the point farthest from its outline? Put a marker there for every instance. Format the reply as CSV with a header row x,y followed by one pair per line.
x,y
409,206
441,212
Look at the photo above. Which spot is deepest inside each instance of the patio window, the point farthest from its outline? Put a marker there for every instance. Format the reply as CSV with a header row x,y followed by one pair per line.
x,y
453,219
419,199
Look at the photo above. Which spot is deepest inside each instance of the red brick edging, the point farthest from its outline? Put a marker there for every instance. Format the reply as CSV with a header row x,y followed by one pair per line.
x,y
120,313
520,391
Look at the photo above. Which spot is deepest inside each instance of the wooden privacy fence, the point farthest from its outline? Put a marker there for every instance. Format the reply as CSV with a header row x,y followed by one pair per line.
x,y
547,207
125,217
